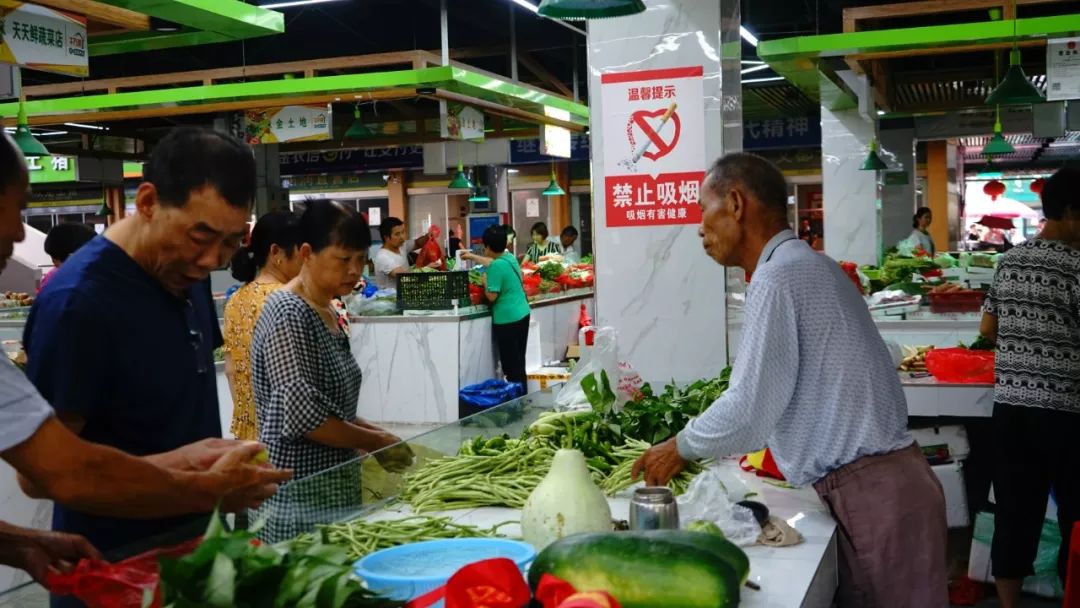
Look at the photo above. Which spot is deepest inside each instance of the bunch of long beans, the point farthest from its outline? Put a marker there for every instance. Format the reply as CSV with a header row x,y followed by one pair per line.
x,y
361,537
496,478
627,454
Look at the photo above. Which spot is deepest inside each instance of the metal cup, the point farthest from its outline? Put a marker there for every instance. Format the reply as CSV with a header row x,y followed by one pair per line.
x,y
654,509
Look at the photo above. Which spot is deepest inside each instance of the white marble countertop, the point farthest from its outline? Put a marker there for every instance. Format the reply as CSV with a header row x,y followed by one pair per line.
x,y
800,576
466,313
932,382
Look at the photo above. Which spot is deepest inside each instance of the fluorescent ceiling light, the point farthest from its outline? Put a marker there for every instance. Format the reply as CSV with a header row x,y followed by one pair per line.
x,y
756,68
526,4
293,3
881,112
747,36
48,133
508,170
769,79
752,61
80,125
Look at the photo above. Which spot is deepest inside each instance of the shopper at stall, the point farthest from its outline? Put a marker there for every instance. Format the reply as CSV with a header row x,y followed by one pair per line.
x,y
307,382
62,241
1032,313
505,290
121,340
540,249
54,463
920,234
393,258
567,239
815,382
264,265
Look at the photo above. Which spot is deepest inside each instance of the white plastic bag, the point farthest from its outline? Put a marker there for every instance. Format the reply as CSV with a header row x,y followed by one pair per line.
x,y
603,356
711,496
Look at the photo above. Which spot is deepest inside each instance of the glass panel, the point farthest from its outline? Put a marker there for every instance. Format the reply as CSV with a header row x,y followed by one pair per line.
x,y
362,486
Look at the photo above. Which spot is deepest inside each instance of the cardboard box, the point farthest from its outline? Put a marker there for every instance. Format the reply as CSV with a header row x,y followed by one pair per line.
x,y
956,505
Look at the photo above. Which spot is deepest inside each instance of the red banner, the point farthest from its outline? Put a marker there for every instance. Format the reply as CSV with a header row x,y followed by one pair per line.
x,y
642,200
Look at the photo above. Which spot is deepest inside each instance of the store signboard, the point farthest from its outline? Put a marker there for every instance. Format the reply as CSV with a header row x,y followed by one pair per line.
x,y
1063,69
52,169
790,132
288,124
529,151
43,39
462,123
349,161
654,146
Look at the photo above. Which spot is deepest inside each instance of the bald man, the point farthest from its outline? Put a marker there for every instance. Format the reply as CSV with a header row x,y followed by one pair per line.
x,y
814,381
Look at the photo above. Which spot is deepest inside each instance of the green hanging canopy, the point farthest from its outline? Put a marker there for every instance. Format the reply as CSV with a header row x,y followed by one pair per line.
x,y
590,9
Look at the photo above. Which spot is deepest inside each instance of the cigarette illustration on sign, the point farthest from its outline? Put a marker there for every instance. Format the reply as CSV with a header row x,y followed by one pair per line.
x,y
653,146
654,136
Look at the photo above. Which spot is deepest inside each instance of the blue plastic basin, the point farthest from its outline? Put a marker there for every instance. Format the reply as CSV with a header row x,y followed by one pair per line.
x,y
409,571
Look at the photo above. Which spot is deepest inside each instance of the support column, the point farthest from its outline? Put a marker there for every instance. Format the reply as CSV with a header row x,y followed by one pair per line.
x,y
898,190
269,195
654,283
937,191
398,192
850,195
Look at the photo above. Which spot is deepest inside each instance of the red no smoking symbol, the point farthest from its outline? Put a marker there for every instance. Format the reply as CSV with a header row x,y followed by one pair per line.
x,y
658,147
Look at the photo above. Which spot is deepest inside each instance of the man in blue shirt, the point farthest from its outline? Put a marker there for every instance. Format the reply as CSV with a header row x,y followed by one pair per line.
x,y
121,340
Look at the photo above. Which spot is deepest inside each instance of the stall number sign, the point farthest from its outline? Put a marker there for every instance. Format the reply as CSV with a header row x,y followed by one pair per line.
x,y
654,146
40,38
288,124
52,169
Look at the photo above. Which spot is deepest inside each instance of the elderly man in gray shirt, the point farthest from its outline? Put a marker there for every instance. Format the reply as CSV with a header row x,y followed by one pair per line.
x,y
814,381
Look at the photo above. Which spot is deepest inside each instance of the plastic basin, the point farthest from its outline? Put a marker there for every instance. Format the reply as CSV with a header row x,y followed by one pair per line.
x,y
408,571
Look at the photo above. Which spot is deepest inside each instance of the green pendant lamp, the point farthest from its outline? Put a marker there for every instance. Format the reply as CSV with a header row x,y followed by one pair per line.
x,y
553,189
1015,89
590,9
873,162
460,181
479,195
104,210
30,146
358,130
998,144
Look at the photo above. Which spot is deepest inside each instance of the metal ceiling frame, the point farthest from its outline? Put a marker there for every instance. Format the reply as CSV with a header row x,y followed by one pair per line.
x,y
453,83
799,60
202,22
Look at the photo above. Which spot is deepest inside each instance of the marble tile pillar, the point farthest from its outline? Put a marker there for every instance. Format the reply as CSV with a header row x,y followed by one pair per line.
x,y
654,283
897,148
852,223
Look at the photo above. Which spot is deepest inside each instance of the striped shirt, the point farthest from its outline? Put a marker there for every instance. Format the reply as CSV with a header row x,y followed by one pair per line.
x,y
1036,299
813,381
535,252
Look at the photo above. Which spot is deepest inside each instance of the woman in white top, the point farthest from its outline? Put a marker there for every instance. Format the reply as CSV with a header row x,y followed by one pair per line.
x,y
920,234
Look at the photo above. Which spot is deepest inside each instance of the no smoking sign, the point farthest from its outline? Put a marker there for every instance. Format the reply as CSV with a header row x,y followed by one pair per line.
x,y
654,146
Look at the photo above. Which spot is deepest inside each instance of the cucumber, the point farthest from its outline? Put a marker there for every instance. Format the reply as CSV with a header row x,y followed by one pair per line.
x,y
719,546
640,571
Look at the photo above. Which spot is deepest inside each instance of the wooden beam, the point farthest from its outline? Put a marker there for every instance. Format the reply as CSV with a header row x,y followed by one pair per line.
x,y
948,50
543,74
403,58
494,108
881,80
102,13
184,110
853,15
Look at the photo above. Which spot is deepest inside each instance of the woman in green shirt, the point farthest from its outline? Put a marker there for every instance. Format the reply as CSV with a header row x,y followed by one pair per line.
x,y
509,306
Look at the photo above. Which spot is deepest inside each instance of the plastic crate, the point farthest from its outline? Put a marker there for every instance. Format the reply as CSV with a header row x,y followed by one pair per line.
x,y
432,290
969,300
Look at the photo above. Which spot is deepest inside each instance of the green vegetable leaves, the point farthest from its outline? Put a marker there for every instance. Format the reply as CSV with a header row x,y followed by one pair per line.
x,y
233,569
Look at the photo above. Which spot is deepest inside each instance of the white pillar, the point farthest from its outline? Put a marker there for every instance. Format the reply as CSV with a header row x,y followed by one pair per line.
x,y
654,283
850,195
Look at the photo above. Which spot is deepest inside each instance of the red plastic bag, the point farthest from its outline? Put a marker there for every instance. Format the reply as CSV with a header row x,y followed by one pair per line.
x,y
431,253
961,365
119,585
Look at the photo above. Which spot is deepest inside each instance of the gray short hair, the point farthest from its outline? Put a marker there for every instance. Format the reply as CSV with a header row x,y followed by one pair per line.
x,y
756,175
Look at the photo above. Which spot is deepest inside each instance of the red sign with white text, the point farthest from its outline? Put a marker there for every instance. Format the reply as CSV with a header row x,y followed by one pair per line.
x,y
654,146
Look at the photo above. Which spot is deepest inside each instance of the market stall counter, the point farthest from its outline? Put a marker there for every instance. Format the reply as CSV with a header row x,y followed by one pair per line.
x,y
336,505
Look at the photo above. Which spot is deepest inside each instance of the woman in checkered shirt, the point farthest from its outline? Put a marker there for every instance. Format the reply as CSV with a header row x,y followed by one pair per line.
x,y
307,383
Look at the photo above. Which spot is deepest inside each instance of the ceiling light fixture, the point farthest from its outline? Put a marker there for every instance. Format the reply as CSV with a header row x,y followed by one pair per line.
x,y
553,189
768,79
79,125
881,112
756,68
30,146
49,133
873,162
747,36
589,9
526,4
291,3
1015,89
997,144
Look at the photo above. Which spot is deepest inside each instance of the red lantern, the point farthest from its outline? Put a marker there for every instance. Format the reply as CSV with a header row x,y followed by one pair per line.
x,y
1037,186
994,189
